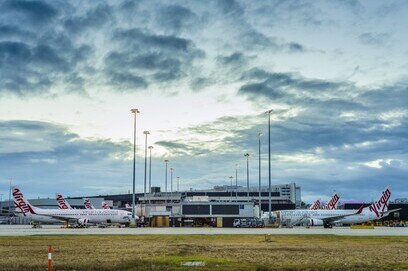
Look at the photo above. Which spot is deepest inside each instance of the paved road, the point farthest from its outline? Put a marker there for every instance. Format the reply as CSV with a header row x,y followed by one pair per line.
x,y
25,230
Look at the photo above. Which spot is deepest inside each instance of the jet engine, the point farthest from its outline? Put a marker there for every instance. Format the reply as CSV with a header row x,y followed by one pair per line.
x,y
83,221
315,222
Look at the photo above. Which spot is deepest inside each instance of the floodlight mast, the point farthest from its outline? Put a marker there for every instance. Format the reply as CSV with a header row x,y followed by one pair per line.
x,y
269,112
134,111
247,162
259,172
145,166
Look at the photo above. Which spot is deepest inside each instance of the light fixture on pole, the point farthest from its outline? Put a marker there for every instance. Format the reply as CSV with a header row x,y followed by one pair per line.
x,y
145,166
247,158
231,187
259,171
165,180
134,112
269,112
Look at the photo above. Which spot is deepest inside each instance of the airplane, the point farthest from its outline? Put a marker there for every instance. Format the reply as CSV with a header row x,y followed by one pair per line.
x,y
62,203
80,216
88,204
105,205
328,218
330,205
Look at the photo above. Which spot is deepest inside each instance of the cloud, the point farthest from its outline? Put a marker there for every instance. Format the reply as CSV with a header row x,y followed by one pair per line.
x,y
35,11
47,157
236,58
11,31
376,39
28,70
93,18
176,18
150,58
295,47
292,88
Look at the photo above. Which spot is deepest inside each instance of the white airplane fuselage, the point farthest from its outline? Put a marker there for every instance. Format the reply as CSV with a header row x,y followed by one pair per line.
x,y
293,217
91,215
38,218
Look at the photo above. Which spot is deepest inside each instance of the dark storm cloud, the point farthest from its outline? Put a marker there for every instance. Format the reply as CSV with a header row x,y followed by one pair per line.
x,y
27,69
128,81
155,58
176,18
230,7
35,11
7,31
294,89
94,18
139,37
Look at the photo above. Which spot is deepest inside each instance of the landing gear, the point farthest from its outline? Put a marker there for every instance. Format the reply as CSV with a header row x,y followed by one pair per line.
x,y
327,226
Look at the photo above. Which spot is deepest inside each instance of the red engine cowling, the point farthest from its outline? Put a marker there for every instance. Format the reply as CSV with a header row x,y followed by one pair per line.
x,y
315,222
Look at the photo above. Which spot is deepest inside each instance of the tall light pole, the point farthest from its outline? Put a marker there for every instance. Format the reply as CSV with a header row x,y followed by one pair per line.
x,y
171,182
259,171
269,112
247,158
150,168
134,112
145,165
178,184
236,182
166,161
231,187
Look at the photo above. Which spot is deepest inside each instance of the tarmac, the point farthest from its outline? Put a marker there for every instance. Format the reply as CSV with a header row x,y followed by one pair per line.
x,y
27,230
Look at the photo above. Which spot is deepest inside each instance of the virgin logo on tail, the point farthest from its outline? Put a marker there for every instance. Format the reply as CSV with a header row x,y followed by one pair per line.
x,y
333,202
88,204
20,203
315,205
105,205
62,203
381,206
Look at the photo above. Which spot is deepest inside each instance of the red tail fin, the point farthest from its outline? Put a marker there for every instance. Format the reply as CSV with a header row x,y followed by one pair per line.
x,y
88,204
381,206
21,203
62,203
332,204
315,205
105,205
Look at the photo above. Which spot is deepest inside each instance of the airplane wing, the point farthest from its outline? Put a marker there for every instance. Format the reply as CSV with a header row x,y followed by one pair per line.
x,y
332,219
390,211
59,217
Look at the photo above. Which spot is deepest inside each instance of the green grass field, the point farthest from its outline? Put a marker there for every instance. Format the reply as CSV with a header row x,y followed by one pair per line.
x,y
219,252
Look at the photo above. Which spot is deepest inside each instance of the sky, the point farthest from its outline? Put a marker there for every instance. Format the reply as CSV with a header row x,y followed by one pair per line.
x,y
203,74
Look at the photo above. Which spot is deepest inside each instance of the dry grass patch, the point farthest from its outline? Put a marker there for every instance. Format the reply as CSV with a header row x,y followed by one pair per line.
x,y
219,252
